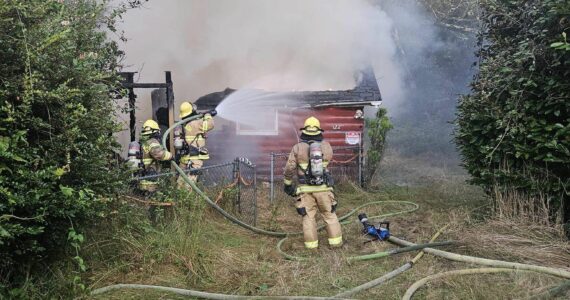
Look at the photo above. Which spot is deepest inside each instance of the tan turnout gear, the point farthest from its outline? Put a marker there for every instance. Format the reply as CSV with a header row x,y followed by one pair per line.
x,y
322,202
153,153
313,198
195,136
298,162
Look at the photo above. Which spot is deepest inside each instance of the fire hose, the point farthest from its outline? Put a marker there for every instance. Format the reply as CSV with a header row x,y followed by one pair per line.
x,y
487,262
447,255
418,284
236,220
199,294
388,276
343,221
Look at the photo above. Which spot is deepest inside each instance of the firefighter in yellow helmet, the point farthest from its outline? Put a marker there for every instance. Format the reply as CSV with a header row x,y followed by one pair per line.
x,y
309,160
152,154
193,136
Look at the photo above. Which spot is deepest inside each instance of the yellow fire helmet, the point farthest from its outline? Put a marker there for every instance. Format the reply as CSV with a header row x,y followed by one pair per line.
x,y
312,126
186,109
149,127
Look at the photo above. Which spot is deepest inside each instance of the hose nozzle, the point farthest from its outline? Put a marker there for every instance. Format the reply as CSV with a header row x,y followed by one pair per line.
x,y
364,220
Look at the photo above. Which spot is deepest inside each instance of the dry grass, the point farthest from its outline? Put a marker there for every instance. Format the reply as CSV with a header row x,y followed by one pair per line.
x,y
237,261
509,203
520,241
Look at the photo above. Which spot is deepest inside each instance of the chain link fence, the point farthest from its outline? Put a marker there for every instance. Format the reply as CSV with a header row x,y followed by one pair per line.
x,y
346,166
231,185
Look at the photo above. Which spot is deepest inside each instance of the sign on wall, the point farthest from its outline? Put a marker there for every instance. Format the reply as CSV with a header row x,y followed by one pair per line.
x,y
352,137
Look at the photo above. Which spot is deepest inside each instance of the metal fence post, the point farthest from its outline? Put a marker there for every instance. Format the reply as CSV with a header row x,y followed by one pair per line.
x,y
271,179
360,167
238,184
254,195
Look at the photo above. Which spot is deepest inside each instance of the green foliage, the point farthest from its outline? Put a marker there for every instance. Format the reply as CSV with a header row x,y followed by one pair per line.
x,y
57,150
377,129
136,247
513,130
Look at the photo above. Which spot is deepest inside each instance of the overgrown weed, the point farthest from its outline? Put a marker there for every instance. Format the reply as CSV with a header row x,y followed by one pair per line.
x,y
171,246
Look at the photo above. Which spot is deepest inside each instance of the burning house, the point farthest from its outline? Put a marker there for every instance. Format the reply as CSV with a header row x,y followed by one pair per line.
x,y
341,114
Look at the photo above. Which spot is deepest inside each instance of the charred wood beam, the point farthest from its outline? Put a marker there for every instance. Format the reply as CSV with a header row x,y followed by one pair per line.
x,y
170,100
129,84
132,115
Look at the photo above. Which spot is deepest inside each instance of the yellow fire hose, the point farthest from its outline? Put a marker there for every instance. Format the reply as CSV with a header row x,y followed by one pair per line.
x,y
486,262
203,295
388,276
418,284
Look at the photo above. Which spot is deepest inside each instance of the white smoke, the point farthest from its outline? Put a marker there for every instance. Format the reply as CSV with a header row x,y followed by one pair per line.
x,y
291,45
278,44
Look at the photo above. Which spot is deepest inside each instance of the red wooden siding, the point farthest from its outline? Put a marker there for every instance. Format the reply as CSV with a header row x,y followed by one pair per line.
x,y
225,144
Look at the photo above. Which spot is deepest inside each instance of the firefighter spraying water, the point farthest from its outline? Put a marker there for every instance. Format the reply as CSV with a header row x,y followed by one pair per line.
x,y
190,140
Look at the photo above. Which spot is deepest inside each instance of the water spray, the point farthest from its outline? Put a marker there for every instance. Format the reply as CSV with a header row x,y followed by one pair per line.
x,y
249,106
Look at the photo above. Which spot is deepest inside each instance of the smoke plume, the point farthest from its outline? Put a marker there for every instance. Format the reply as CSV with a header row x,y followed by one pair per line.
x,y
274,45
287,45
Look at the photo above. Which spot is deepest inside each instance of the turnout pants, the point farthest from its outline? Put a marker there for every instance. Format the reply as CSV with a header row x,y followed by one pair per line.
x,y
307,206
148,186
192,164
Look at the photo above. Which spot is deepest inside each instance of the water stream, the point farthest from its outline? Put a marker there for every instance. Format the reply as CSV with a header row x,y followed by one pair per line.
x,y
255,108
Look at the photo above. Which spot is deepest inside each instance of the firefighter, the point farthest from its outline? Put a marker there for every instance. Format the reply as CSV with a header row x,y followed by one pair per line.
x,y
152,154
194,138
309,160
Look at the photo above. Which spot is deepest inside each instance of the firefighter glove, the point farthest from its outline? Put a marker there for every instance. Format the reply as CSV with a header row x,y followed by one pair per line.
x,y
290,190
329,180
333,207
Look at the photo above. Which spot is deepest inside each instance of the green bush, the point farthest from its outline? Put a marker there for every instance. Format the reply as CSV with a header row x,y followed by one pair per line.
x,y
57,111
513,130
376,128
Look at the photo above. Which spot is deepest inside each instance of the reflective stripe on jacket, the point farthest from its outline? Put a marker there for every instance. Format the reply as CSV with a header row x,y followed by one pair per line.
x,y
305,188
195,134
153,153
185,159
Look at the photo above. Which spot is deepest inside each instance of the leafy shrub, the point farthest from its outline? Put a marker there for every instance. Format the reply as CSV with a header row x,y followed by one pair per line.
x,y
57,113
377,129
513,130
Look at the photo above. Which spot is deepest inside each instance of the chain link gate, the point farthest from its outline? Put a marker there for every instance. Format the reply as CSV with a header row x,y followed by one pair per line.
x,y
246,176
346,166
232,185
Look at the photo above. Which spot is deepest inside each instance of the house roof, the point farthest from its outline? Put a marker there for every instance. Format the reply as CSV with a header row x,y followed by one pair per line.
x,y
365,93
